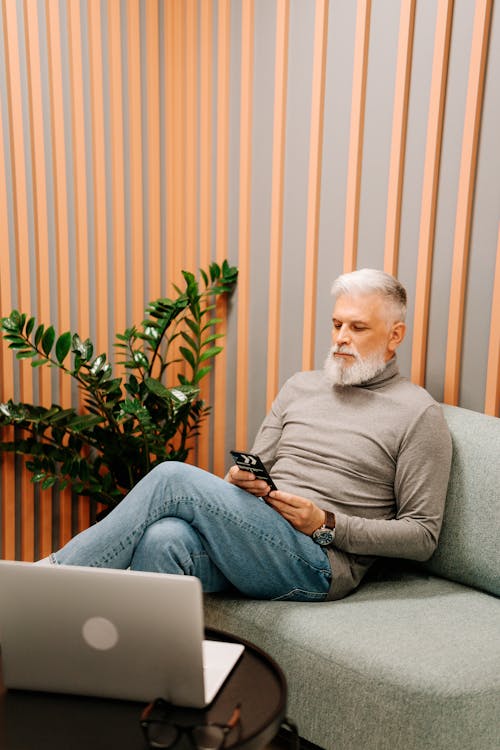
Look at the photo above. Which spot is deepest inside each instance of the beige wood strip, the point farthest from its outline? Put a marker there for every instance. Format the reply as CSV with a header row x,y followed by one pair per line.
x,y
172,189
20,201
7,469
277,194
492,399
153,146
314,188
116,106
61,219
79,167
430,188
40,222
245,191
135,156
360,68
222,218
398,142
205,221
99,174
473,111
80,192
177,253
191,130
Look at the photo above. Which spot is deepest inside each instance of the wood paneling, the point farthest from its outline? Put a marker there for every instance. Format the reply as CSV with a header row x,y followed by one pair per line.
x,y
124,129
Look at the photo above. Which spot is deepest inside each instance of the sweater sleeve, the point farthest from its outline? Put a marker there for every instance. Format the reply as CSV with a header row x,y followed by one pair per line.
x,y
420,484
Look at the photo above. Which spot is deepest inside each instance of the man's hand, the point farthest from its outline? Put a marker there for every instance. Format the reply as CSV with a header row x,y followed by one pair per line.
x,y
247,481
303,514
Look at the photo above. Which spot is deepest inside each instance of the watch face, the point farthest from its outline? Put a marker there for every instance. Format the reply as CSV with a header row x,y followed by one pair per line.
x,y
324,536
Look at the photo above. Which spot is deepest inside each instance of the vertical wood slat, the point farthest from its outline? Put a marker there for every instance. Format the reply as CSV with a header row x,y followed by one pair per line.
x,y
473,111
492,397
99,174
170,207
116,104
179,124
314,187
432,162
245,189
205,185
153,134
135,157
190,65
7,469
355,158
398,141
60,219
277,195
41,232
80,192
191,133
20,202
221,241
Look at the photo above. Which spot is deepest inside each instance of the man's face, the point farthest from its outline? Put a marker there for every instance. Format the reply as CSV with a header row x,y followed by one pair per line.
x,y
363,338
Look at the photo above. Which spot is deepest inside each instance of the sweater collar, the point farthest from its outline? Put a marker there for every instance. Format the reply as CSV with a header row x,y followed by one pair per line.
x,y
390,372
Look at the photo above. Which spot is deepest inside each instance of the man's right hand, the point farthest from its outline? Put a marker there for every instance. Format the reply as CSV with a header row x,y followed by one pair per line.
x,y
247,481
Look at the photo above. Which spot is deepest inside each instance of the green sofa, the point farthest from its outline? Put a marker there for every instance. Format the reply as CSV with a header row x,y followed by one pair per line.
x,y
411,660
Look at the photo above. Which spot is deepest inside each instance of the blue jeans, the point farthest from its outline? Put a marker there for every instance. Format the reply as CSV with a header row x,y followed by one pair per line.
x,y
181,519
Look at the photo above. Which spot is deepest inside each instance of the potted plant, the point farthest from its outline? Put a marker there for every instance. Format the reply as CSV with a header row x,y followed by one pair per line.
x,y
126,424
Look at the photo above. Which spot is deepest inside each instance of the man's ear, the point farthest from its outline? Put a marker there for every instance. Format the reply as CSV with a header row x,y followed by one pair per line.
x,y
397,335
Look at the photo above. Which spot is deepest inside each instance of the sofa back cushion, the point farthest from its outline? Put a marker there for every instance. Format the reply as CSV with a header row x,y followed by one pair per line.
x,y
469,545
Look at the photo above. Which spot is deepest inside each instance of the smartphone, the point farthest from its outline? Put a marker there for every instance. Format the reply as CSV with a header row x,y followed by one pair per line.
x,y
251,462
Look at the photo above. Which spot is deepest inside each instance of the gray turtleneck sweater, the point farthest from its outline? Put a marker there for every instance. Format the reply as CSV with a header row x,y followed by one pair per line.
x,y
378,455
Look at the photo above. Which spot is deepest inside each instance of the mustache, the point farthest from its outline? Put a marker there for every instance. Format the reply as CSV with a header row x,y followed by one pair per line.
x,y
343,349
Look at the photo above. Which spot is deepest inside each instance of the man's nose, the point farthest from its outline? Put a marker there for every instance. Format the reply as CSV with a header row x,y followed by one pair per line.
x,y
342,335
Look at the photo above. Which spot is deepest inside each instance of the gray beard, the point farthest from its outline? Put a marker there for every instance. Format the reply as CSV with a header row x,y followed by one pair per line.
x,y
360,371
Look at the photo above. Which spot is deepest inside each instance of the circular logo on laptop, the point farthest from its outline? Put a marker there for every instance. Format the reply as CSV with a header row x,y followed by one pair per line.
x,y
100,633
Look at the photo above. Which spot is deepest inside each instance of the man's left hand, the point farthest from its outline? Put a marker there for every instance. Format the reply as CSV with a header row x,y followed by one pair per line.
x,y
303,514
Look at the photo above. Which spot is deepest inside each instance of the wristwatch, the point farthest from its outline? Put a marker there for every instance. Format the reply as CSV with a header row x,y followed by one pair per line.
x,y
325,535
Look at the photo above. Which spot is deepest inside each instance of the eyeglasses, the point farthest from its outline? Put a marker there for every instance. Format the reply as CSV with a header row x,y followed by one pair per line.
x,y
162,732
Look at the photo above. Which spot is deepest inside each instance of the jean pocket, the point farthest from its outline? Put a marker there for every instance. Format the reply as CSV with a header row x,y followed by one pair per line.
x,y
300,595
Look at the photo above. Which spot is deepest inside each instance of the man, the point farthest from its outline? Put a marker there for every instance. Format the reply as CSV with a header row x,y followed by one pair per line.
x,y
360,456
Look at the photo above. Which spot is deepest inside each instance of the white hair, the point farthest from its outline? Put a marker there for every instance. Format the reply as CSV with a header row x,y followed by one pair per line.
x,y
373,281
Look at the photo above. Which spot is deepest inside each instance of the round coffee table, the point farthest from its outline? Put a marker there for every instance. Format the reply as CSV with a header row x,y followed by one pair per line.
x,y
47,721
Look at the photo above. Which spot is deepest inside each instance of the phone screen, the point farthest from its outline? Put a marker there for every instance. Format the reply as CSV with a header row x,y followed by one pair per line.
x,y
251,462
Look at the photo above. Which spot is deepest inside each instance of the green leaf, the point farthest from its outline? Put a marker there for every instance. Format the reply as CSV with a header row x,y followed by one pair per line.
x,y
48,340
29,326
202,372
98,364
63,345
188,356
39,333
26,354
140,359
212,352
48,482
192,343
213,337
154,386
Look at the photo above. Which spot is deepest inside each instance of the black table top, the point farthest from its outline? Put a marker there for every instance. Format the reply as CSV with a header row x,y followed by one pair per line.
x,y
48,721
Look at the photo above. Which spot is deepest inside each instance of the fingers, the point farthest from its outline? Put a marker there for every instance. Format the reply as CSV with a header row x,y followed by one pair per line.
x,y
247,481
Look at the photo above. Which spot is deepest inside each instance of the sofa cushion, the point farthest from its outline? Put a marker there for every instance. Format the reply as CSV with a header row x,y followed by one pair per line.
x,y
412,663
468,549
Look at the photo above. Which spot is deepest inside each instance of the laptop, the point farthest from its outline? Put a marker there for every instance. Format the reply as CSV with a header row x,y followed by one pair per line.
x,y
109,633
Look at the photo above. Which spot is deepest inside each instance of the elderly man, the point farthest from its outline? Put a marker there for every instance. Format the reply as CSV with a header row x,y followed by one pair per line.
x,y
360,456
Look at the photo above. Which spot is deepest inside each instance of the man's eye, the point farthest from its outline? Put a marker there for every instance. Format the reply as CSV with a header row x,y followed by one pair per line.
x,y
359,328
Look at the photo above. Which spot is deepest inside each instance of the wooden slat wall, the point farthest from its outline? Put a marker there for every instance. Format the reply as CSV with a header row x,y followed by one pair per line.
x,y
130,149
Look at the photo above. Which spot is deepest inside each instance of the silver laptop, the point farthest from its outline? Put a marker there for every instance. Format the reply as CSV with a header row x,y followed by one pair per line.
x,y
109,633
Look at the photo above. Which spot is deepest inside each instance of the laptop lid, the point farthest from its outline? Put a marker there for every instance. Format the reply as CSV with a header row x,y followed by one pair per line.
x,y
109,633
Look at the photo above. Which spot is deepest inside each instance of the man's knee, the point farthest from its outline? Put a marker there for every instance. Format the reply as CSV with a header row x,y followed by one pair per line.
x,y
173,536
